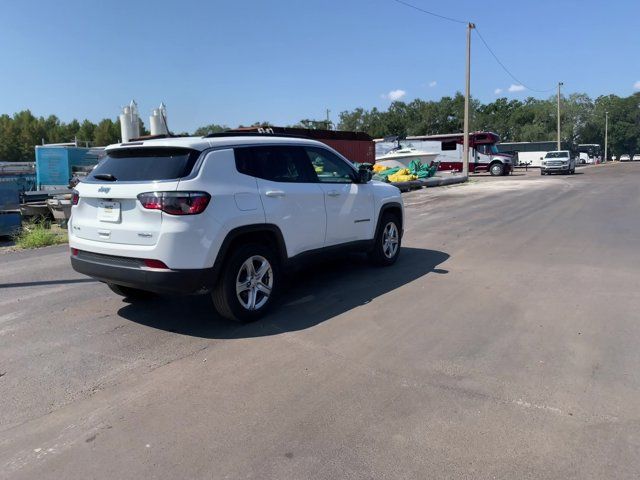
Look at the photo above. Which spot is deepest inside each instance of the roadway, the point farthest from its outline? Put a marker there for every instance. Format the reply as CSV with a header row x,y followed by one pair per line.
x,y
503,344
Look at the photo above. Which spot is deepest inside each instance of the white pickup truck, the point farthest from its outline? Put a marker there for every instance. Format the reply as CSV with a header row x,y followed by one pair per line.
x,y
559,161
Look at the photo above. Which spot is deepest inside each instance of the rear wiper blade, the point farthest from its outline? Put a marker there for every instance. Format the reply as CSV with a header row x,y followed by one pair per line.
x,y
105,176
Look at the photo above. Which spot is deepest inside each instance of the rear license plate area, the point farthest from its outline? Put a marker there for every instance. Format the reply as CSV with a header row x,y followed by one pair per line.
x,y
109,211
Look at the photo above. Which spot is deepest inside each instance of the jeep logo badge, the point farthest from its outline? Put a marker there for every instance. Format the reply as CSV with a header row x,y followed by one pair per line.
x,y
104,189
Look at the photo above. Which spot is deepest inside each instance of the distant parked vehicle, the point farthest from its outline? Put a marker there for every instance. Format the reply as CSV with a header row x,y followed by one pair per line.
x,y
448,150
559,161
636,157
593,151
625,158
533,153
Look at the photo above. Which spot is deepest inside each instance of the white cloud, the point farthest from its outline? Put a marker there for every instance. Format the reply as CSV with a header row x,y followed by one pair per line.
x,y
516,88
497,91
637,85
394,95
433,83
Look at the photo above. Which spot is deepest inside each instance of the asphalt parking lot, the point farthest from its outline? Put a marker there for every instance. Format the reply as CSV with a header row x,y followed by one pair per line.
x,y
503,344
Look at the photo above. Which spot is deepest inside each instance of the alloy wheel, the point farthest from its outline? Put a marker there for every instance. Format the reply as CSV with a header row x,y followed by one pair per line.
x,y
254,282
390,240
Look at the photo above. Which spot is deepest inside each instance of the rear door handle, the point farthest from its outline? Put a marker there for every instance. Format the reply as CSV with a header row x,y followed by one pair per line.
x,y
274,193
333,193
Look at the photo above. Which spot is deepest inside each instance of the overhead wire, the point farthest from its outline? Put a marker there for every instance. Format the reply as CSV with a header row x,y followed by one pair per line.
x,y
430,13
450,19
520,82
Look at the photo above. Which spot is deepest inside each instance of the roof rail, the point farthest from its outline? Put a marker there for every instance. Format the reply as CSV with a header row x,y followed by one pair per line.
x,y
153,137
252,134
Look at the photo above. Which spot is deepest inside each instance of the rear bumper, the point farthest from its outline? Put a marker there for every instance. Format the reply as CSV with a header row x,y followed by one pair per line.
x,y
111,269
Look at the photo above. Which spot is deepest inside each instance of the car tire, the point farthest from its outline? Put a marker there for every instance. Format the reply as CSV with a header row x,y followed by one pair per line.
x,y
129,292
496,169
386,246
542,172
258,268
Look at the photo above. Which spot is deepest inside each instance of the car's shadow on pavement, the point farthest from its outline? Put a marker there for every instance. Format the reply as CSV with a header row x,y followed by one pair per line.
x,y
312,295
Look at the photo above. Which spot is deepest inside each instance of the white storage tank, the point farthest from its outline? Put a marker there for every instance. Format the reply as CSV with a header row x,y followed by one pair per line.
x,y
129,122
158,121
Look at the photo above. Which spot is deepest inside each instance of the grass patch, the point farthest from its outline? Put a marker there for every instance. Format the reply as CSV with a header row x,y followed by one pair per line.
x,y
36,235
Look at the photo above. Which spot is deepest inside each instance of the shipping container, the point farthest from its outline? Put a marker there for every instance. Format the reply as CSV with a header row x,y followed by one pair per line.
x,y
15,179
56,164
10,223
358,147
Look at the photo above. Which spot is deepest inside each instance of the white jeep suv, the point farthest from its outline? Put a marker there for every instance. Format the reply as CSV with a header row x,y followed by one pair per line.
x,y
225,214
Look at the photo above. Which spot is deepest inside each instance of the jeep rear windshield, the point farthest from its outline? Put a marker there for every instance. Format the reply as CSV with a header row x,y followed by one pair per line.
x,y
144,164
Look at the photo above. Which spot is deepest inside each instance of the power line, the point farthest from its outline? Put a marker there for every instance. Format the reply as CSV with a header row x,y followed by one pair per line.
x,y
505,68
430,13
402,2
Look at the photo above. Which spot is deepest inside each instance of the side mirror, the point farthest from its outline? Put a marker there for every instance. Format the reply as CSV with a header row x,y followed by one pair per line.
x,y
364,173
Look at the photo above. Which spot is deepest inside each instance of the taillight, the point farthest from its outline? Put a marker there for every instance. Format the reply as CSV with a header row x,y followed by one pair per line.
x,y
175,203
148,262
74,252
75,197
151,201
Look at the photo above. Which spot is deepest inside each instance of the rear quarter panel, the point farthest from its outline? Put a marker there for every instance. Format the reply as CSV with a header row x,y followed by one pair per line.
x,y
234,200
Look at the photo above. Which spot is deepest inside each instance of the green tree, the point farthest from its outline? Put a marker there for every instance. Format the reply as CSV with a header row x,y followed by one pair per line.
x,y
106,133
86,131
531,119
314,124
9,140
208,129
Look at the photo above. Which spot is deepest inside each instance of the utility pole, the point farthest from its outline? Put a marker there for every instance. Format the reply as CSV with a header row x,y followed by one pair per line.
x,y
467,93
606,134
328,120
559,85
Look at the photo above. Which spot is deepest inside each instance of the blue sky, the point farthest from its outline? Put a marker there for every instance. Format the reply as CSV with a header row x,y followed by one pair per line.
x,y
233,62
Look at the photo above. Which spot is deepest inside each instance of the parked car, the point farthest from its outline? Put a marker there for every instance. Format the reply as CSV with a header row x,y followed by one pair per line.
x,y
559,161
224,215
636,157
625,158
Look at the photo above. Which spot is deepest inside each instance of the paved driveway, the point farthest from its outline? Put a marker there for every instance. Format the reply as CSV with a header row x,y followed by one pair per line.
x,y
503,344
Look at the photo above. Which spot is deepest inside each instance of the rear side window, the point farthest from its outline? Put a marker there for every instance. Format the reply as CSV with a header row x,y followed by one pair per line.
x,y
145,164
275,163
